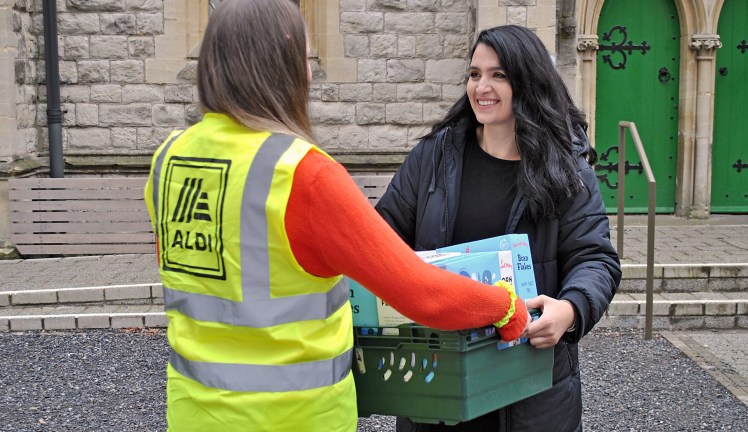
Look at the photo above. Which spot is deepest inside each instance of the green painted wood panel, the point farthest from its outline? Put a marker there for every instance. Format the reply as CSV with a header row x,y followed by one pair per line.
x,y
730,143
637,80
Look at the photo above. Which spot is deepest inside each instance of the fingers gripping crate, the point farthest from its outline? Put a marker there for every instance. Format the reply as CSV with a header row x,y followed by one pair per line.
x,y
435,376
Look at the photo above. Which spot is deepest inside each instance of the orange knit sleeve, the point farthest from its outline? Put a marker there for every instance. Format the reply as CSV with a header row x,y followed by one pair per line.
x,y
334,230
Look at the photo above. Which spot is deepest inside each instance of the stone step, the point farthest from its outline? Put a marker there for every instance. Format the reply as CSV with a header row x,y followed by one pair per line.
x,y
103,295
668,278
680,311
82,317
683,278
671,311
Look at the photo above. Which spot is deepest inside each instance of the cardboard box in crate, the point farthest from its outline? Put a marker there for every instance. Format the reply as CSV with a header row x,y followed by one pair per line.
x,y
435,376
505,258
514,250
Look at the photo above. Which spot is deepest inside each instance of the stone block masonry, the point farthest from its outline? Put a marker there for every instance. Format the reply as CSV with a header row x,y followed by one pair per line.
x,y
103,47
417,49
127,72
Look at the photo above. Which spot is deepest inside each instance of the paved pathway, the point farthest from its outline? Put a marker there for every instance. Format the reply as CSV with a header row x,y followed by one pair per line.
x,y
76,272
720,240
723,239
723,354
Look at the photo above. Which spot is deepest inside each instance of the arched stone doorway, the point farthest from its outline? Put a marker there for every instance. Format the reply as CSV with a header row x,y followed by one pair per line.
x,y
637,80
696,46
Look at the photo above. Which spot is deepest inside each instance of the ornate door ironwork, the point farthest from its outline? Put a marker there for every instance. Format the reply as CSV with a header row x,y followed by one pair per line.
x,y
613,167
739,165
621,48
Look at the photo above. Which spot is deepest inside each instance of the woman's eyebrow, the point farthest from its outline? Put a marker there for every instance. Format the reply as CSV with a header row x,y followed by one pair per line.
x,y
492,68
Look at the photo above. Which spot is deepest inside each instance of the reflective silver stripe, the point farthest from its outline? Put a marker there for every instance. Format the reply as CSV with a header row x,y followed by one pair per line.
x,y
265,378
258,309
254,224
159,163
258,312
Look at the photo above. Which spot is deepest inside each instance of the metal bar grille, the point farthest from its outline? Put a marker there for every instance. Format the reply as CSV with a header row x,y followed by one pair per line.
x,y
213,4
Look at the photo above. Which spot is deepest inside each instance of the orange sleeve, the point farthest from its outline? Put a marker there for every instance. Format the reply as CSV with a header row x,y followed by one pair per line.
x,y
334,230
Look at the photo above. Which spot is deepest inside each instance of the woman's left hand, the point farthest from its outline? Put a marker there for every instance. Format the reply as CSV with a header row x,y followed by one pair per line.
x,y
557,317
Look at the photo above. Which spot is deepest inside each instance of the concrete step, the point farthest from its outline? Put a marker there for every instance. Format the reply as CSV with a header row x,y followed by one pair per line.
x,y
142,305
683,278
82,317
668,278
111,306
103,295
680,311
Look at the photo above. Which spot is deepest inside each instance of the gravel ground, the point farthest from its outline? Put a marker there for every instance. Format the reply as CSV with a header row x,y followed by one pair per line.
x,y
105,380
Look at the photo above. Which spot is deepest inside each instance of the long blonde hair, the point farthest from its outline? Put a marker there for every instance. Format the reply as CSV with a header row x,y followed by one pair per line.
x,y
252,66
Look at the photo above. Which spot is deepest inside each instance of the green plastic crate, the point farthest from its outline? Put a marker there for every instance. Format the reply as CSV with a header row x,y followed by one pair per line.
x,y
435,376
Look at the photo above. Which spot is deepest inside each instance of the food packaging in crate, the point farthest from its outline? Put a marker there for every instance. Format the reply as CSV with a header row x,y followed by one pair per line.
x,y
514,251
435,376
490,260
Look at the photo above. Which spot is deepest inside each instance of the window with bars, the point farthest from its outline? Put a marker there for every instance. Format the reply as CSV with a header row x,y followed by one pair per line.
x,y
212,4
309,16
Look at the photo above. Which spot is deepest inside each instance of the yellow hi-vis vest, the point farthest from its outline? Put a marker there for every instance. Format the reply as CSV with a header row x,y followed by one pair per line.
x,y
258,344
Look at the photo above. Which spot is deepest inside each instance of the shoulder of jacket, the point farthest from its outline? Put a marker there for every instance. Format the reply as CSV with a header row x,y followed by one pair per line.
x,y
427,143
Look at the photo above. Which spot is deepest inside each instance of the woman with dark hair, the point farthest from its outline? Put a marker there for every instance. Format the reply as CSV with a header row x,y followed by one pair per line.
x,y
512,156
255,227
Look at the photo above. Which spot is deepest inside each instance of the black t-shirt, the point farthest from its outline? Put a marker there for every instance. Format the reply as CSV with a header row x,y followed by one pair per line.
x,y
487,192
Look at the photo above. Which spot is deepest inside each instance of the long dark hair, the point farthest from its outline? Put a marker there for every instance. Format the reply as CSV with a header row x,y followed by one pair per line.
x,y
252,66
546,119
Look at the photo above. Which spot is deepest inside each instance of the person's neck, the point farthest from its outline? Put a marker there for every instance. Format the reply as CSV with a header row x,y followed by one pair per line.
x,y
498,141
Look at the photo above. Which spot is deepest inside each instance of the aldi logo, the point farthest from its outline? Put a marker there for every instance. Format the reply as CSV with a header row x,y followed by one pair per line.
x,y
192,203
190,229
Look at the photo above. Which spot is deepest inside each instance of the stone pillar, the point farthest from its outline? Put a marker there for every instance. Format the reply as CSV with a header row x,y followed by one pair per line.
x,y
337,67
8,54
8,126
587,46
183,24
705,45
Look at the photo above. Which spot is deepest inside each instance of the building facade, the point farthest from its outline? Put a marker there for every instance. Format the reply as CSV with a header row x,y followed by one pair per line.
x,y
384,71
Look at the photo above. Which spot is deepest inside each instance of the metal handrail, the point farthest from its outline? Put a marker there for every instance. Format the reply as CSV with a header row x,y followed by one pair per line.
x,y
651,200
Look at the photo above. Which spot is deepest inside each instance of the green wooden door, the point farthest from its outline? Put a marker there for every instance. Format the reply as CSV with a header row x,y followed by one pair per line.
x,y
637,80
730,143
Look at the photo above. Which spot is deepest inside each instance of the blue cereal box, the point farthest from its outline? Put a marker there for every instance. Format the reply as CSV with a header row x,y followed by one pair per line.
x,y
482,267
370,311
516,248
486,267
489,268
363,304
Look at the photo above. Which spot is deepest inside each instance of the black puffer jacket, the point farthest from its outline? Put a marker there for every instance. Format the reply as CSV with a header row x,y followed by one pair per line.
x,y
572,257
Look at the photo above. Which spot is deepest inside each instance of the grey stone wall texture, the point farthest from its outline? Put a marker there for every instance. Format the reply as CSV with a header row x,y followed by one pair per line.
x,y
411,61
411,57
108,106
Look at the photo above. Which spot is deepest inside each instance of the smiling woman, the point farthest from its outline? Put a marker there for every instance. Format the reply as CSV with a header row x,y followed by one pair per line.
x,y
512,156
490,95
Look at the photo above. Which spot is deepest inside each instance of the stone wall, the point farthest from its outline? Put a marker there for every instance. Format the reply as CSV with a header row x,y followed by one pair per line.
x,y
127,69
127,75
109,107
411,61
